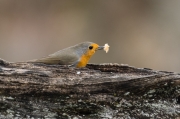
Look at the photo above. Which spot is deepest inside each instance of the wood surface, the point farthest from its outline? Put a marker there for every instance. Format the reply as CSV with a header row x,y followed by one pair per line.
x,y
98,91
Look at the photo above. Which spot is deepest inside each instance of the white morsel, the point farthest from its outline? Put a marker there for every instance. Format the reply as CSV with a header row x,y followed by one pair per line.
x,y
78,72
106,48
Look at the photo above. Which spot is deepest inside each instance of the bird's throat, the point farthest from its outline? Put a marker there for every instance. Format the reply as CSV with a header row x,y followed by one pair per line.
x,y
83,61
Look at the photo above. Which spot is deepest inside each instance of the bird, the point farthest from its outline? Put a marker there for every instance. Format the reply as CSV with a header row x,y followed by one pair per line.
x,y
76,56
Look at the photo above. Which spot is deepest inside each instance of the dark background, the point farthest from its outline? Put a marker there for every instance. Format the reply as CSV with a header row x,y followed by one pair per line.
x,y
141,33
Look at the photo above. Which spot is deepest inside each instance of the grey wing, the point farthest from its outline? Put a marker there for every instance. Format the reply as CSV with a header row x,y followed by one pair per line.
x,y
60,58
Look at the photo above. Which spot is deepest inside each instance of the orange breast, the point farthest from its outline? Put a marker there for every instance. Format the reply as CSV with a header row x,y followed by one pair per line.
x,y
84,60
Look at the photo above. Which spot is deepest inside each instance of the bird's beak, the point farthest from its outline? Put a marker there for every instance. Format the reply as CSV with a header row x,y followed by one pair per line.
x,y
100,48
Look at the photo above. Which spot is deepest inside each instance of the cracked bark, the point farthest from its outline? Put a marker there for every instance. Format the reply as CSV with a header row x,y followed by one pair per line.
x,y
97,91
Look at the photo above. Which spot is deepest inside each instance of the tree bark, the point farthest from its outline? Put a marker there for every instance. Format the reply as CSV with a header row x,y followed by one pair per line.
x,y
97,91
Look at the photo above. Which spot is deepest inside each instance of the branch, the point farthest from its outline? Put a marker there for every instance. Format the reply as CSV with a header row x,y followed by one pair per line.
x,y
97,91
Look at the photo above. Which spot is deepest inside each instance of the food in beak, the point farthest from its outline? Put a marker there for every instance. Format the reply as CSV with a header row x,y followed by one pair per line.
x,y
106,48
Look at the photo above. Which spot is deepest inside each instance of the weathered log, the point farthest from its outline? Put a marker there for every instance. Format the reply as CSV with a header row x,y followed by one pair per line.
x,y
97,91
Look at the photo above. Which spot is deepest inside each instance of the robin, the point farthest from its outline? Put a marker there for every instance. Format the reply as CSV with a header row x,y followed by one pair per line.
x,y
77,55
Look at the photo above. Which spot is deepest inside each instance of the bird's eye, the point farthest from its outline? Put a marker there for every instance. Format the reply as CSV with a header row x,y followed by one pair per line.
x,y
90,47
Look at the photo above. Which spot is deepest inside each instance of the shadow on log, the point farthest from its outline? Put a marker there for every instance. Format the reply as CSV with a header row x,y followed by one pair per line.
x,y
98,91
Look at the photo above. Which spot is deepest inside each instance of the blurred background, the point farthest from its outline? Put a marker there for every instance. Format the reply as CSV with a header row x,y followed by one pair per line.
x,y
141,33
